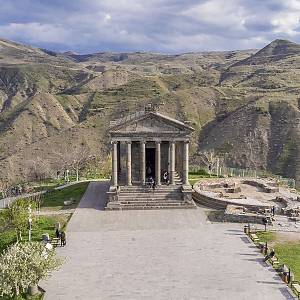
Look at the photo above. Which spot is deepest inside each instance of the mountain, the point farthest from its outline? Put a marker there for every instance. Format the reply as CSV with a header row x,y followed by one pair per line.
x,y
243,104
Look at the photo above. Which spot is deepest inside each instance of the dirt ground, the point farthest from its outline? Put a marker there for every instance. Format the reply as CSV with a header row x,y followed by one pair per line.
x,y
250,192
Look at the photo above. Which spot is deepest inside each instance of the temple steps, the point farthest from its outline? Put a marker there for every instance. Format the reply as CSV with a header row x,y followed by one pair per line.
x,y
158,206
162,197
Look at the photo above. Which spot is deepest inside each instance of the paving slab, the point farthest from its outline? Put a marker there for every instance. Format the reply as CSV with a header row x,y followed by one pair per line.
x,y
159,254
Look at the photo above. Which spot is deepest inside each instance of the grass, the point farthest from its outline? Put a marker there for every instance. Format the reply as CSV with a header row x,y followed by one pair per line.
x,y
266,236
45,224
42,224
288,253
54,200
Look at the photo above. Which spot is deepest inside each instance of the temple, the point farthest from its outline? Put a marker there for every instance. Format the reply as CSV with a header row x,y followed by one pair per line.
x,y
150,162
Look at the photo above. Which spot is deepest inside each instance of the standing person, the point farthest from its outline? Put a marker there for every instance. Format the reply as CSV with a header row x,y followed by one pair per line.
x,y
63,239
273,211
57,233
153,185
265,222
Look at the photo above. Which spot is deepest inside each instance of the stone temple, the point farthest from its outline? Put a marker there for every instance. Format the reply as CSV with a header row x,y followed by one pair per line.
x,y
149,147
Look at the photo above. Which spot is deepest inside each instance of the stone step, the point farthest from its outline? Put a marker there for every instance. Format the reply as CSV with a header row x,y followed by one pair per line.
x,y
175,204
151,193
134,188
151,201
156,206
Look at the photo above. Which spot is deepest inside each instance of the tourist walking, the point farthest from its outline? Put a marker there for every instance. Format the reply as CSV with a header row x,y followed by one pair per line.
x,y
63,241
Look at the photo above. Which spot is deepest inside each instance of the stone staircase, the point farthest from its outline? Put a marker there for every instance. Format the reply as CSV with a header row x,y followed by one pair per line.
x,y
163,197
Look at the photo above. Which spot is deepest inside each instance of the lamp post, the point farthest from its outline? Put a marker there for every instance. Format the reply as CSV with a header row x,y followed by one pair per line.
x,y
30,223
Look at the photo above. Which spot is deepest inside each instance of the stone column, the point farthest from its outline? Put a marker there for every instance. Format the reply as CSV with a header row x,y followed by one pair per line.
x,y
157,162
143,163
115,163
185,167
129,163
172,162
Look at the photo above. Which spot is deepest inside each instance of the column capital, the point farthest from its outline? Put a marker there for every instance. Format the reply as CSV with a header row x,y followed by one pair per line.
x,y
128,142
157,142
114,142
186,141
142,142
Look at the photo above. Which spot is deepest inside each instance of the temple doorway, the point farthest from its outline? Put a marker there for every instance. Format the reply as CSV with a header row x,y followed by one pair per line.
x,y
150,163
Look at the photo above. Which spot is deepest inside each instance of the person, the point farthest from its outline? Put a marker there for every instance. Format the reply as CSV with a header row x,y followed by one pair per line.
x,y
151,181
270,255
63,239
165,176
273,211
153,185
265,222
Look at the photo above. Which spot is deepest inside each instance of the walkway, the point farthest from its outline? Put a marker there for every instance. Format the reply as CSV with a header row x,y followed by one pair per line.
x,y
162,254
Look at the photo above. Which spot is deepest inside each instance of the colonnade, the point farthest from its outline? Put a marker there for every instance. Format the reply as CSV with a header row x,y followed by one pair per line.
x,y
172,160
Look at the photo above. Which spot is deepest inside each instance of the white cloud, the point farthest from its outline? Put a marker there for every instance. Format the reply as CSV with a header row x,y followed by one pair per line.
x,y
36,32
152,25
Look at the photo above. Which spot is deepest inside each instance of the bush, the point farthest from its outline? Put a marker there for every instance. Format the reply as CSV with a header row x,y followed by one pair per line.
x,y
24,265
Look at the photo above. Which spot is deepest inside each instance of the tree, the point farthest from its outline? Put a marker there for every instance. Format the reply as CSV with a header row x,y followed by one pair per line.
x,y
16,215
23,265
209,159
74,157
5,187
38,169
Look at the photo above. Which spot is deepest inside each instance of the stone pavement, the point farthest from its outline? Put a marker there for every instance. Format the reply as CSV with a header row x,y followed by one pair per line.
x,y
160,254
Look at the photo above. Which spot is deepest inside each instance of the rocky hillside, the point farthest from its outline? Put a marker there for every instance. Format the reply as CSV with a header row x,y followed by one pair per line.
x,y
243,104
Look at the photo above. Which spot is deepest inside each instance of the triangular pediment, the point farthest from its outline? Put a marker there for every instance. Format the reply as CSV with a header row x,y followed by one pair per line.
x,y
151,123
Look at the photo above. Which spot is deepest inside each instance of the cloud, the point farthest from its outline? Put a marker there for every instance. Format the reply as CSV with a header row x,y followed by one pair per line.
x,y
154,25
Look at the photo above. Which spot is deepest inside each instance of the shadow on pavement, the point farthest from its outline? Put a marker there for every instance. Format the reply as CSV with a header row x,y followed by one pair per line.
x,y
95,196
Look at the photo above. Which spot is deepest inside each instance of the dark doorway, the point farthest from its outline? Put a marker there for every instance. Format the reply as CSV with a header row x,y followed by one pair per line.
x,y
150,163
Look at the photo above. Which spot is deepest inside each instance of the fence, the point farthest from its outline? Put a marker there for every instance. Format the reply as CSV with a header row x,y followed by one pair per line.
x,y
7,201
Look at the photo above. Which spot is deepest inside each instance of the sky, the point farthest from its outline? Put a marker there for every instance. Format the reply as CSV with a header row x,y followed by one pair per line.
x,y
165,26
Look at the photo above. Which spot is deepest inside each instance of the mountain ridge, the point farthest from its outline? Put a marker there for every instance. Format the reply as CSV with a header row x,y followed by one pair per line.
x,y
243,104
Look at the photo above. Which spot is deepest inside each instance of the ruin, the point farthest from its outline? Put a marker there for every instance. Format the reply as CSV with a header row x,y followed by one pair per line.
x,y
147,148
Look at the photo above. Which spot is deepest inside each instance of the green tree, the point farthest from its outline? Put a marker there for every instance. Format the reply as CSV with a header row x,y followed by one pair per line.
x,y
16,215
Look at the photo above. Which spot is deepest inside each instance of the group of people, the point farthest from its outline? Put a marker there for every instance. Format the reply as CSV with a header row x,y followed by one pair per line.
x,y
152,184
62,236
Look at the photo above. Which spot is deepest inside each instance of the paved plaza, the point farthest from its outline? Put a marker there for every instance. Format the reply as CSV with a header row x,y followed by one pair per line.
x,y
159,254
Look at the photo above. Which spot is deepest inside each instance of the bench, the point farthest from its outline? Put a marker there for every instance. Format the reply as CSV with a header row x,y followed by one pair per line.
x,y
55,242
254,237
296,288
274,261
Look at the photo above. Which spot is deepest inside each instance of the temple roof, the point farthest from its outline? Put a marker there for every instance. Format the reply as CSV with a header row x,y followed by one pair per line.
x,y
140,117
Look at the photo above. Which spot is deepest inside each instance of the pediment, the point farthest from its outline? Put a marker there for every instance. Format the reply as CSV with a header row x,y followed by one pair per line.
x,y
151,123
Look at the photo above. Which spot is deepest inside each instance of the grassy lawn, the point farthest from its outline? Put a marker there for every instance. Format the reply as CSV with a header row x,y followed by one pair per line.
x,y
41,224
45,224
54,200
287,252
